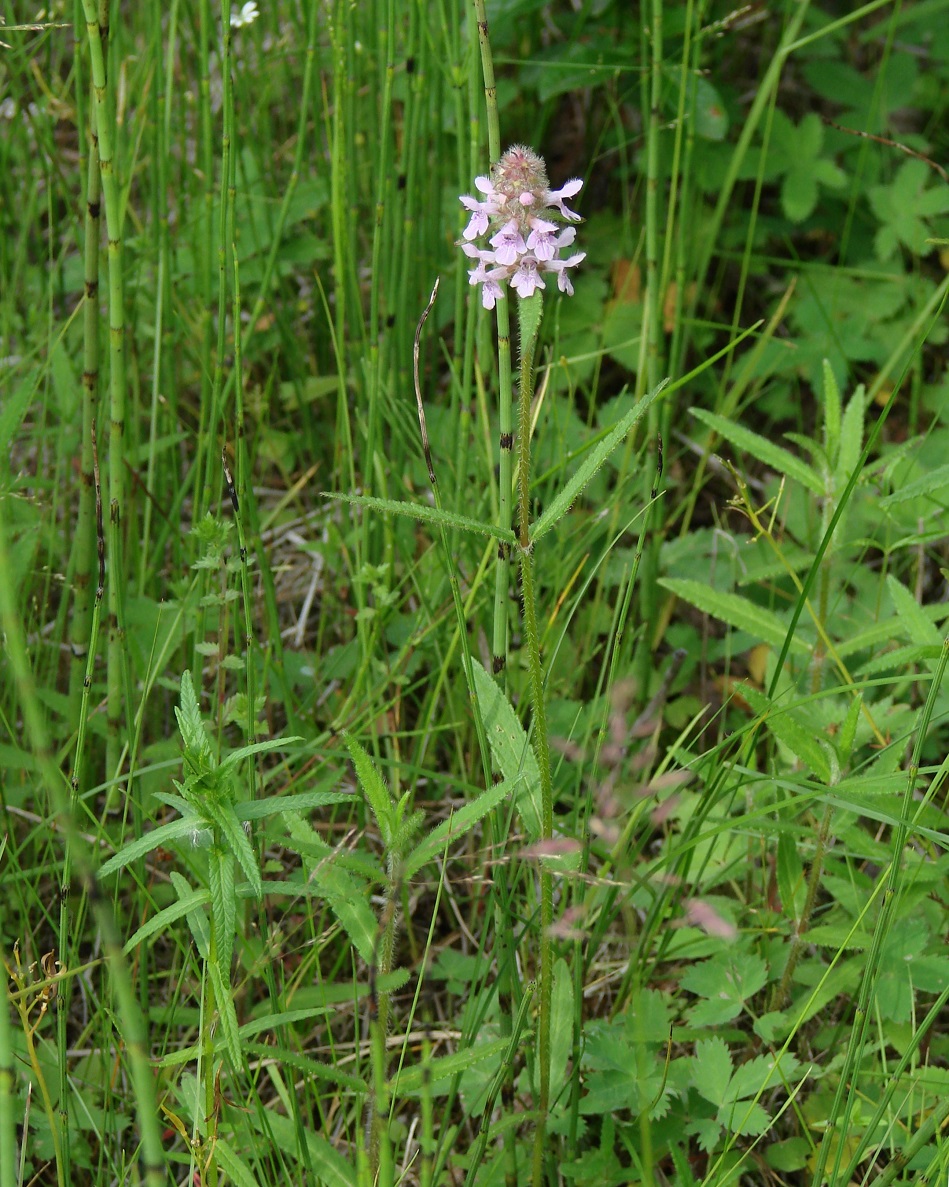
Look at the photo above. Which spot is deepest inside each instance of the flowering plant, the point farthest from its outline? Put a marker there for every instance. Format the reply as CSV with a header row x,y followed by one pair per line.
x,y
524,241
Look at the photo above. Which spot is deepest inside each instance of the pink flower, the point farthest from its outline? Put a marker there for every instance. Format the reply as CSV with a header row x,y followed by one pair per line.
x,y
556,197
527,279
521,215
508,244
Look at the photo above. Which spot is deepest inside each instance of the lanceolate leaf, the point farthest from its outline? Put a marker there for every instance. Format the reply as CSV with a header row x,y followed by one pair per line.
x,y
772,455
224,816
345,895
794,734
145,844
571,491
736,611
426,514
510,748
163,920
374,789
455,826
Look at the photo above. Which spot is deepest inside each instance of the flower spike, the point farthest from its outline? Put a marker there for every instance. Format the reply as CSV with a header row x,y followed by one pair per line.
x,y
518,213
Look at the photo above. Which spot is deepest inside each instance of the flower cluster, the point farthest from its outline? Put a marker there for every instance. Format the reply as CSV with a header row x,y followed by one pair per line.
x,y
524,241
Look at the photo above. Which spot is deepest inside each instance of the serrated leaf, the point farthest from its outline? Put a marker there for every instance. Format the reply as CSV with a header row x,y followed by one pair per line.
x,y
745,1118
374,789
223,907
529,312
510,748
712,1069
346,896
761,1073
145,844
425,514
935,480
910,614
237,1170
851,437
197,918
799,737
736,611
707,1132
190,723
571,491
411,1079
275,805
165,918
227,1015
775,456
833,411
257,748
455,826
223,815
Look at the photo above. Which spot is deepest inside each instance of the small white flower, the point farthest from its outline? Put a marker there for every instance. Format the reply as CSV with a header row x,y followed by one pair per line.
x,y
8,109
247,15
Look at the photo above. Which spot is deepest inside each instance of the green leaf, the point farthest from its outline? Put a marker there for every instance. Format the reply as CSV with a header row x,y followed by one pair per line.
x,y
832,413
744,1117
303,801
725,981
193,735
426,514
712,1069
510,749
223,815
374,789
736,611
762,1073
763,450
561,1025
326,1164
145,844
164,918
455,826
594,460
237,1170
257,748
197,918
223,907
936,479
799,736
711,115
346,896
910,615
851,438
224,1000
411,1079
13,410
904,207
529,312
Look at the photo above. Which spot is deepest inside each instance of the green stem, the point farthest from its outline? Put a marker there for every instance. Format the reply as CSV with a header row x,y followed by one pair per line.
x,y
502,574
105,127
530,310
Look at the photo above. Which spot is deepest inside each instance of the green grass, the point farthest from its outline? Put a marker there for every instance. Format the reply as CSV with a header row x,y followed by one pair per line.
x,y
280,842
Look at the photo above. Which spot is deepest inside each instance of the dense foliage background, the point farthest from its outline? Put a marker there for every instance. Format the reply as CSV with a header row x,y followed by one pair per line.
x,y
270,895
